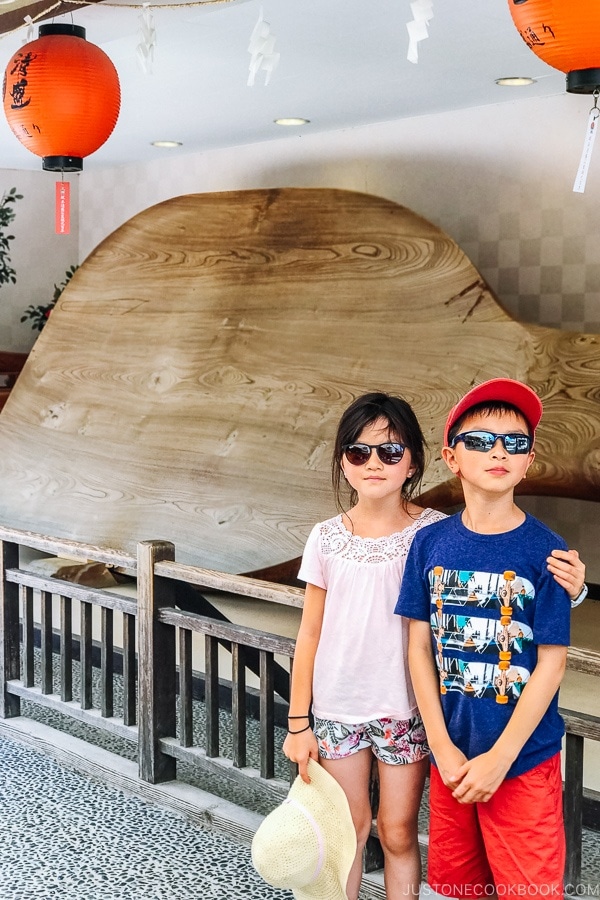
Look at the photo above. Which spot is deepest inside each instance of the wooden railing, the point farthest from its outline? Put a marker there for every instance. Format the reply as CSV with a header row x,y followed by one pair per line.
x,y
160,668
579,726
150,668
159,623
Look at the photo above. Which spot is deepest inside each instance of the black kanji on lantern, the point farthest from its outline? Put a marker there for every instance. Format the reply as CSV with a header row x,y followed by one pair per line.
x,y
22,63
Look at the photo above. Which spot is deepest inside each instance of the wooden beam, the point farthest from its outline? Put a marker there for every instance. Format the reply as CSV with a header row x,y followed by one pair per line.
x,y
13,16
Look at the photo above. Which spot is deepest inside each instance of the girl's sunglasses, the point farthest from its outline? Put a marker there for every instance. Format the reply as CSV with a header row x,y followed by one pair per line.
x,y
359,454
485,440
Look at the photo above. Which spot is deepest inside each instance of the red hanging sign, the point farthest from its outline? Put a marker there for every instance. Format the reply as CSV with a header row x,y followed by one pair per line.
x,y
63,208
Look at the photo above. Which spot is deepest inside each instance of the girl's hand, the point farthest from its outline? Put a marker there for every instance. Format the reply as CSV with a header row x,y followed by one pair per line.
x,y
568,571
299,748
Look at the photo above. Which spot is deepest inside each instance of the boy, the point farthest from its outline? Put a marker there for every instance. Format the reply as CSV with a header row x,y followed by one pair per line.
x,y
489,633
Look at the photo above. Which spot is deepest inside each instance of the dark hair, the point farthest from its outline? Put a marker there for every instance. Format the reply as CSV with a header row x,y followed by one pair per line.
x,y
403,426
487,408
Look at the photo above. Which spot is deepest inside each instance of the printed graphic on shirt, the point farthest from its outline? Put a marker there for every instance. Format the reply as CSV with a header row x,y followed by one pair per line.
x,y
495,635
476,679
480,589
475,634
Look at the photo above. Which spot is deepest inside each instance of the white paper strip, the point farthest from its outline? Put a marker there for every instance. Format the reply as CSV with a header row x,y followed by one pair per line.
x,y
262,51
29,33
145,49
422,11
586,156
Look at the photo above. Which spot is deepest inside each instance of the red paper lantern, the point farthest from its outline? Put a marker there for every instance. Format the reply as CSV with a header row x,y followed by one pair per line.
x,y
566,35
61,97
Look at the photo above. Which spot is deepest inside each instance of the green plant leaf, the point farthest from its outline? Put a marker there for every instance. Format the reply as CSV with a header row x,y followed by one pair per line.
x,y
7,273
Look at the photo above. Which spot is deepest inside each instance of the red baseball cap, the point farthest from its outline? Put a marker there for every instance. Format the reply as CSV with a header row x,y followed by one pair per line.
x,y
506,391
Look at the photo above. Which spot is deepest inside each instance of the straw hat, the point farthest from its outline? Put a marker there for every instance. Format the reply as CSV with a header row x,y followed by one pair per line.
x,y
308,844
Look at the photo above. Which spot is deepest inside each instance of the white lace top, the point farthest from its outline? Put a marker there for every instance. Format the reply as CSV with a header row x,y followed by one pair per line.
x,y
361,670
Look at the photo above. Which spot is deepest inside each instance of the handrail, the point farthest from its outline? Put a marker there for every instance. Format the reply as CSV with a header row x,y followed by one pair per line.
x,y
108,599
583,660
237,584
58,546
252,637
581,724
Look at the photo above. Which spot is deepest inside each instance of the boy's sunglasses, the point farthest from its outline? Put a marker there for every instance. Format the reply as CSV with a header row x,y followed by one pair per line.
x,y
359,454
485,440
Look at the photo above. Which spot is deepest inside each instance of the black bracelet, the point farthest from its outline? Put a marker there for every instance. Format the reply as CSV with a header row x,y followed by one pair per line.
x,y
300,730
298,717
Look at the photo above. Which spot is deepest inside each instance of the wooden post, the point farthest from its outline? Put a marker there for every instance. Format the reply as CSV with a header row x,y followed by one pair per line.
x,y
129,670
85,653
573,808
46,642
211,694
27,607
107,663
66,649
267,716
156,665
186,718
10,663
238,705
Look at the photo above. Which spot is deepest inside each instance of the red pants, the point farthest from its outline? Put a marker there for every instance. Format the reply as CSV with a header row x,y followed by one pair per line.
x,y
513,845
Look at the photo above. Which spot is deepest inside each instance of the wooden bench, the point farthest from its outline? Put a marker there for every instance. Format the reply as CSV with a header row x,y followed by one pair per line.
x,y
10,367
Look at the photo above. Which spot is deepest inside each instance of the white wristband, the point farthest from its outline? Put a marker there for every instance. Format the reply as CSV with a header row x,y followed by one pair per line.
x,y
580,596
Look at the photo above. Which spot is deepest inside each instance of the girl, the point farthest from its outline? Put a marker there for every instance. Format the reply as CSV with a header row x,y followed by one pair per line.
x,y
350,659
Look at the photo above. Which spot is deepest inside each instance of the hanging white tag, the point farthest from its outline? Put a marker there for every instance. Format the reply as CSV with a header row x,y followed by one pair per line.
x,y
145,49
29,34
422,11
262,51
586,156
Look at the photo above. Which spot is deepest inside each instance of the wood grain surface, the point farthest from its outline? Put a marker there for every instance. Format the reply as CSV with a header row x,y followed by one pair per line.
x,y
188,384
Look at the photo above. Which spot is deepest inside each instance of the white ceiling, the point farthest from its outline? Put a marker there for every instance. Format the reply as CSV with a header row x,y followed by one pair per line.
x,y
343,63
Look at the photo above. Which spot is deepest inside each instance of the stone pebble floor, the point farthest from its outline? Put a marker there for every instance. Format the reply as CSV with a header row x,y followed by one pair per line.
x,y
63,835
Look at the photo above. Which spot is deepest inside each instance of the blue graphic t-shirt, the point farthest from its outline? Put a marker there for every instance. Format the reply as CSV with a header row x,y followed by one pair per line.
x,y
491,602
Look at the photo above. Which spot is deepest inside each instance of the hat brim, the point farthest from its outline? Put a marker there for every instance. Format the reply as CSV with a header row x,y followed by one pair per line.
x,y
331,884
324,804
503,390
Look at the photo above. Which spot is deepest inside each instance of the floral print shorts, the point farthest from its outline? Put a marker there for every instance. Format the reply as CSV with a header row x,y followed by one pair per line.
x,y
392,741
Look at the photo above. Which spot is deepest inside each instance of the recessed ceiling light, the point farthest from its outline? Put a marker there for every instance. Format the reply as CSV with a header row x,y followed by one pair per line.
x,y
290,120
168,144
515,81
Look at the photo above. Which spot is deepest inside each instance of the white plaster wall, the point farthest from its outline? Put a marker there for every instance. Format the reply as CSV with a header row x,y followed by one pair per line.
x,y
39,257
